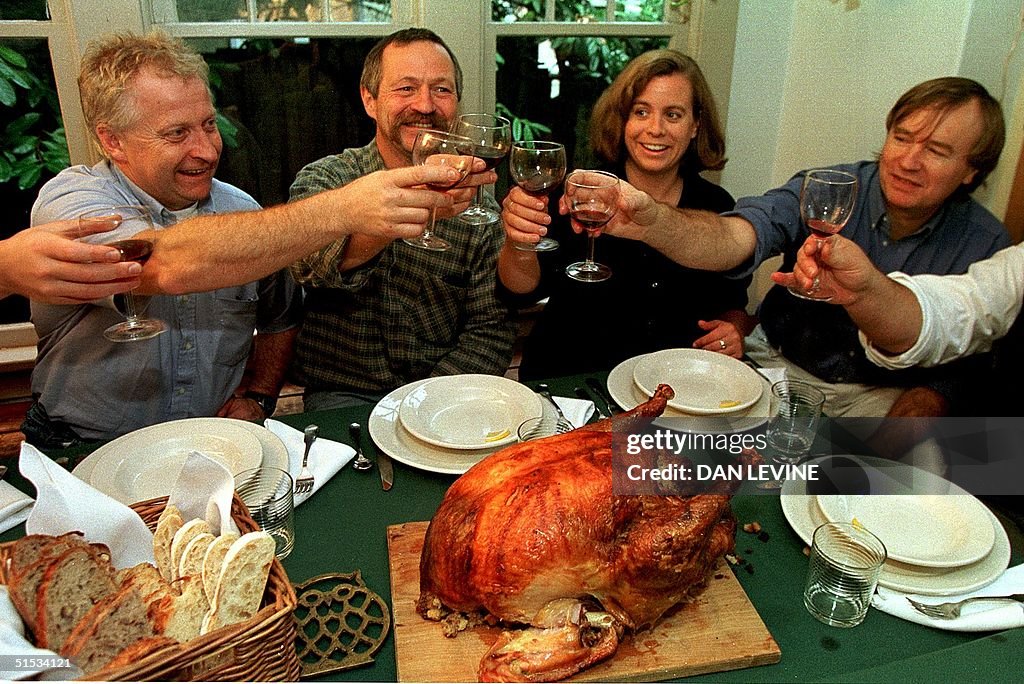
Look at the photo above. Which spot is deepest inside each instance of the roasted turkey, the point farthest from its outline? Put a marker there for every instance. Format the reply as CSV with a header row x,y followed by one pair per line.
x,y
534,536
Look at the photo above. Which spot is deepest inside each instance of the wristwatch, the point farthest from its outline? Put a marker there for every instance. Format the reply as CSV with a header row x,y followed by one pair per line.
x,y
267,402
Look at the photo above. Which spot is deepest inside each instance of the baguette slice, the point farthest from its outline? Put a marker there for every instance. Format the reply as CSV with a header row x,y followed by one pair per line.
x,y
191,562
188,532
179,613
243,578
113,624
214,560
167,526
71,585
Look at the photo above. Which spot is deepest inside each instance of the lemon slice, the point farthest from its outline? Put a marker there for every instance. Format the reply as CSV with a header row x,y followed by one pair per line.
x,y
728,403
497,435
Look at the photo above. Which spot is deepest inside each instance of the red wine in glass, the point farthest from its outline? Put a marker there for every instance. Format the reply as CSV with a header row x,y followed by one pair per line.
x,y
491,136
592,219
593,200
827,199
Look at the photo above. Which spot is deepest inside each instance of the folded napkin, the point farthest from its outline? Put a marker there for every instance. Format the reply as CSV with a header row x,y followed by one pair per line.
x,y
15,506
204,489
976,617
577,411
773,375
326,457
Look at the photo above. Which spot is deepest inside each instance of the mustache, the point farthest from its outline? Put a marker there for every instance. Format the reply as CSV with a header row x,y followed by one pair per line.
x,y
435,121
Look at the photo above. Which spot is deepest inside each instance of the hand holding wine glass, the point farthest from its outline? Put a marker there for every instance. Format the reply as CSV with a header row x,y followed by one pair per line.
x,y
491,137
826,204
131,220
593,198
445,149
537,167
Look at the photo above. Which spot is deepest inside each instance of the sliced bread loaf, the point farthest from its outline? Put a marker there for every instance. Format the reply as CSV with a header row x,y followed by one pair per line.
x,y
30,557
167,526
243,577
112,625
71,584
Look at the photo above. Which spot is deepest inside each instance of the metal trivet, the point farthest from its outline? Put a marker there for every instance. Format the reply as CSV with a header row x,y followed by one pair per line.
x,y
340,623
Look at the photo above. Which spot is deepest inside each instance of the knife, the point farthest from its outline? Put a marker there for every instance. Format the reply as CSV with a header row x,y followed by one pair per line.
x,y
596,387
384,465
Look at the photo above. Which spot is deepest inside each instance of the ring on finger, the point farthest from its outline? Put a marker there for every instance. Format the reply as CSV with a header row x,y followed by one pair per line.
x,y
722,344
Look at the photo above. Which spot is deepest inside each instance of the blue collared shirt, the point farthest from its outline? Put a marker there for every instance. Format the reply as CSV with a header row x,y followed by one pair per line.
x,y
821,338
104,389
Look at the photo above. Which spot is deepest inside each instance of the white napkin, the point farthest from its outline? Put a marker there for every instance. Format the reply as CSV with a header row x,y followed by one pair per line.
x,y
15,506
773,375
977,617
65,503
577,411
204,489
326,457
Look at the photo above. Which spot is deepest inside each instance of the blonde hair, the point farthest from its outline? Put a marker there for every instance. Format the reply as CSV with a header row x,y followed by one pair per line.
x,y
608,120
111,64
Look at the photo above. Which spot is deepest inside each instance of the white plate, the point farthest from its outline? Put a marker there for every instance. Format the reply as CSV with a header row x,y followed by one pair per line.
x,y
468,411
626,394
145,463
705,383
802,511
394,440
930,530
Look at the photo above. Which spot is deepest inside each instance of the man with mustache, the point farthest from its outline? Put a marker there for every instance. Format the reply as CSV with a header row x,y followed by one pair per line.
x,y
381,313
147,102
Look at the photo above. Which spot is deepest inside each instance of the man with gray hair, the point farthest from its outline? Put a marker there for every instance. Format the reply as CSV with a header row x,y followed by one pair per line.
x,y
381,313
147,103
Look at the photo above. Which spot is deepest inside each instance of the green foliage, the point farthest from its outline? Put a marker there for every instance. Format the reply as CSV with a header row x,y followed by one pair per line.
x,y
522,129
33,138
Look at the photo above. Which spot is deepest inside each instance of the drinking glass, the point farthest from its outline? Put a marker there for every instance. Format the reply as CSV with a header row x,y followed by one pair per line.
x,y
846,561
268,493
130,221
826,203
491,136
446,149
593,198
791,431
537,166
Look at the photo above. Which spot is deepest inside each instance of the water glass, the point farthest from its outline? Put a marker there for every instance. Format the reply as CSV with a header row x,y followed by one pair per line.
x,y
846,560
268,493
791,431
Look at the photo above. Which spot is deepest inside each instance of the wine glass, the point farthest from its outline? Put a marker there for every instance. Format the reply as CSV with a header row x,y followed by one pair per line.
x,y
445,149
537,166
593,198
491,136
826,203
130,221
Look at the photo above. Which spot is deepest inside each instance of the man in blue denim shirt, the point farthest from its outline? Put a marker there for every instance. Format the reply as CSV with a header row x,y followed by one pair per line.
x,y
147,103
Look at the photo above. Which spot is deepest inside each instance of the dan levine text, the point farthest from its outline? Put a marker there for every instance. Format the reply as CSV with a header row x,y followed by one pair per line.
x,y
676,443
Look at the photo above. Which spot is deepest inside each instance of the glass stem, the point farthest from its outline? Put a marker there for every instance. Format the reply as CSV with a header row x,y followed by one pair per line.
x,y
478,199
591,239
429,230
129,307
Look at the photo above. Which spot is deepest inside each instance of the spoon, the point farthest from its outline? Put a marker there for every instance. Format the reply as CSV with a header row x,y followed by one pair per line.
x,y
361,462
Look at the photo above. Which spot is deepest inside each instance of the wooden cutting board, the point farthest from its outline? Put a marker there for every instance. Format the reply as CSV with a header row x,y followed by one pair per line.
x,y
718,631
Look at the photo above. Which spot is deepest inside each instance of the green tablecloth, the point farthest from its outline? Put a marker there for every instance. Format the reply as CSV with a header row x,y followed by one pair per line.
x,y
342,529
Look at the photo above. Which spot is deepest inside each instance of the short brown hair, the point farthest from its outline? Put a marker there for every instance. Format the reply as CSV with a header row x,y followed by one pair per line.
x,y
111,64
370,78
947,93
706,150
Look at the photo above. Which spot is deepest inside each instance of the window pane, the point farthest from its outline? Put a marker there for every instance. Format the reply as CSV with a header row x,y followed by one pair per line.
x,y
550,85
31,137
23,9
284,10
507,11
291,103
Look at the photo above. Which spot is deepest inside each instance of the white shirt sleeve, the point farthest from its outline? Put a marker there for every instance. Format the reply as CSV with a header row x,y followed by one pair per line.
x,y
961,314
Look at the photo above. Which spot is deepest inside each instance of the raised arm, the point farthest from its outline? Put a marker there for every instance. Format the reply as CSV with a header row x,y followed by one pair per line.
x,y
46,264
211,252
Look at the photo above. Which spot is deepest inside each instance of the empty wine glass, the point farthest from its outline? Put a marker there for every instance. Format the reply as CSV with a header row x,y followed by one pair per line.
x,y
537,166
593,198
491,136
446,149
826,203
130,221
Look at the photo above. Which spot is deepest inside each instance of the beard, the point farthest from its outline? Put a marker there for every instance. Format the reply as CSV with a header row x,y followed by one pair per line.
x,y
434,121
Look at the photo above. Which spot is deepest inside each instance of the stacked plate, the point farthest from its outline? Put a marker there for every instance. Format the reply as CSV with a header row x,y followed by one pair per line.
x,y
713,392
941,540
144,464
448,424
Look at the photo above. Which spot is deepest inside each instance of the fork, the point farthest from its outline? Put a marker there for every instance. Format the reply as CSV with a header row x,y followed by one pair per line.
x,y
562,424
304,484
949,611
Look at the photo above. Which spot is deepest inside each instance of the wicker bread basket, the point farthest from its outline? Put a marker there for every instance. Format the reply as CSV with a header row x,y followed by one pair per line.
x,y
261,649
